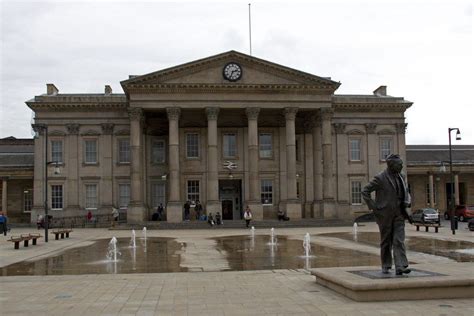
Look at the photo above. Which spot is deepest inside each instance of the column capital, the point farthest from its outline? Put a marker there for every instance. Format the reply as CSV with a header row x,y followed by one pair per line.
x,y
370,128
401,128
135,114
39,128
72,129
252,113
107,128
290,113
340,128
212,113
326,113
173,113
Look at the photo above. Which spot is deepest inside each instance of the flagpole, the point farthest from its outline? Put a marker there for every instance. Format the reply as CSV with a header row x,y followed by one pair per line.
x,y
250,31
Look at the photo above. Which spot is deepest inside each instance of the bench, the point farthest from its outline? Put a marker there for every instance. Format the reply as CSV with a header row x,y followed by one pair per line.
x,y
61,232
25,238
427,226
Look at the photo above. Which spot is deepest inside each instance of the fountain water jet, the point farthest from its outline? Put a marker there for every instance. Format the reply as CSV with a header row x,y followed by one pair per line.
x,y
272,237
354,231
144,233
132,240
112,250
252,232
307,245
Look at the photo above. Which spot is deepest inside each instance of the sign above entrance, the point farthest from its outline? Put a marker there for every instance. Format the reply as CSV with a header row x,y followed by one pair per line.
x,y
229,165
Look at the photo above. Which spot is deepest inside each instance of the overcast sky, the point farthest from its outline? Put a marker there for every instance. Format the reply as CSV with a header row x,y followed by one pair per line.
x,y
422,50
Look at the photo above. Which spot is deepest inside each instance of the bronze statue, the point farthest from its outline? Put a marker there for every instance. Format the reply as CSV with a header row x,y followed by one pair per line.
x,y
390,210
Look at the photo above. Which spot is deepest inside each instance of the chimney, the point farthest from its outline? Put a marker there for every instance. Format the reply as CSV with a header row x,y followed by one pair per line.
x,y
51,89
381,91
108,90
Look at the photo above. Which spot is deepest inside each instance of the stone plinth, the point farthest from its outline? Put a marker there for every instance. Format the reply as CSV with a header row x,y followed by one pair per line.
x,y
293,209
136,214
174,212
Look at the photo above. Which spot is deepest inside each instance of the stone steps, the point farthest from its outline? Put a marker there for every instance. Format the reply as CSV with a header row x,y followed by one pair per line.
x,y
238,224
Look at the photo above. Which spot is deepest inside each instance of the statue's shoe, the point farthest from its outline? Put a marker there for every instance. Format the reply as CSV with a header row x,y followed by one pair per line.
x,y
402,271
385,270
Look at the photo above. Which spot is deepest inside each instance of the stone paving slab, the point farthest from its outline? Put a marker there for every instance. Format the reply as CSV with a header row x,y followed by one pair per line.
x,y
269,292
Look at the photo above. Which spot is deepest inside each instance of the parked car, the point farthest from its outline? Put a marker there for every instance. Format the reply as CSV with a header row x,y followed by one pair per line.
x,y
471,225
426,215
462,212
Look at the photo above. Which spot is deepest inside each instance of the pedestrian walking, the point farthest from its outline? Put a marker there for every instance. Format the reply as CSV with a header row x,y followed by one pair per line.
x,y
247,216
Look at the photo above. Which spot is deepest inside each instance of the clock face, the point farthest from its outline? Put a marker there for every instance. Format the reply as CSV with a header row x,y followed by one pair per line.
x,y
232,72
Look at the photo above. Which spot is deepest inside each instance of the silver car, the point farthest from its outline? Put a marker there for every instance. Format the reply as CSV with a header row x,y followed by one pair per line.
x,y
426,216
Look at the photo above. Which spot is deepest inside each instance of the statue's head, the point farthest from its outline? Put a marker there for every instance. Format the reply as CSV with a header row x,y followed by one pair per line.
x,y
394,163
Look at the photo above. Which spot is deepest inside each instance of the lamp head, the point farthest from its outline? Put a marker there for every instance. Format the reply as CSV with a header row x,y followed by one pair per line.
x,y
458,135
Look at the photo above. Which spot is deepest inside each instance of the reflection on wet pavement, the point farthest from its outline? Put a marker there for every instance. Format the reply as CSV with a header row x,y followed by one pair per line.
x,y
246,253
154,256
159,255
461,251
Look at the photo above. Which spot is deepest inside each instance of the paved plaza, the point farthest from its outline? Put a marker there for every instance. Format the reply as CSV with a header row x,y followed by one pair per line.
x,y
209,292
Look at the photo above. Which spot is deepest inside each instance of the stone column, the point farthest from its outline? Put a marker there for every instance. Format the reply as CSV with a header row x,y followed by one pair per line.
x,y
38,178
401,131
106,192
456,189
136,209
254,179
73,167
174,211
317,168
342,195
212,205
293,205
308,167
373,165
329,209
430,181
4,195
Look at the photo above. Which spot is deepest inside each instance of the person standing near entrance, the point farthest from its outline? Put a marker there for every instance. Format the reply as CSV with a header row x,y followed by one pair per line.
x,y
115,216
186,206
390,210
3,224
247,216
198,210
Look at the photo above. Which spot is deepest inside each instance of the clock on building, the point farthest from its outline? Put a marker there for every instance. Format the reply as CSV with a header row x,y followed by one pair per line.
x,y
232,71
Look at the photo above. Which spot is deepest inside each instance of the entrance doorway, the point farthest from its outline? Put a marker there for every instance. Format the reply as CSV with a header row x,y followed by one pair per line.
x,y
230,195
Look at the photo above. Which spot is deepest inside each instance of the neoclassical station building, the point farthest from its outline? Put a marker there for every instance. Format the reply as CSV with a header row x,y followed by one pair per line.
x,y
229,130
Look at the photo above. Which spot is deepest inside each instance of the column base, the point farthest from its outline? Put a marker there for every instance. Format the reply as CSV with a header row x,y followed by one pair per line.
x,y
174,212
256,208
213,207
293,209
328,208
317,209
136,214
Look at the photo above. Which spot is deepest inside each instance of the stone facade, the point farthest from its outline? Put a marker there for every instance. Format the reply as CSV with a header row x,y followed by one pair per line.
x,y
275,139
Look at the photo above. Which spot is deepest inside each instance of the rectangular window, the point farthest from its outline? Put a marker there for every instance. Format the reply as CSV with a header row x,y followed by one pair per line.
x,y
57,151
91,196
158,194
265,145
356,189
266,191
27,200
57,197
354,150
428,202
90,151
124,195
229,145
193,191
158,151
124,150
192,145
385,147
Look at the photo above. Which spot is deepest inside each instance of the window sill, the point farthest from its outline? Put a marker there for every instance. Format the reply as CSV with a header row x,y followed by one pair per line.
x,y
90,164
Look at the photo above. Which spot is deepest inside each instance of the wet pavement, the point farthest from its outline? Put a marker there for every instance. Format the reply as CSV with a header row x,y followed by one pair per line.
x,y
458,250
162,255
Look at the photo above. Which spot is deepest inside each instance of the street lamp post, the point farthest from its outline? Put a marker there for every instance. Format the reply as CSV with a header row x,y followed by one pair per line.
x,y
452,200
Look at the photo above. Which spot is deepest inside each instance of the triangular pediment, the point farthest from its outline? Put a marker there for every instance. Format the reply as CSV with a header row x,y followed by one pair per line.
x,y
209,71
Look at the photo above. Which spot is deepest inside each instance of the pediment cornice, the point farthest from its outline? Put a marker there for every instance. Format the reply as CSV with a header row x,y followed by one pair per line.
x,y
156,79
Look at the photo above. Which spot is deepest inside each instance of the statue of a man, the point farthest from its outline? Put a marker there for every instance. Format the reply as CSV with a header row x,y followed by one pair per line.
x,y
390,210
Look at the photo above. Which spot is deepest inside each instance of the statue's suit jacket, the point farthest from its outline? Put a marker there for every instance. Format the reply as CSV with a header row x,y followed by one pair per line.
x,y
386,202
